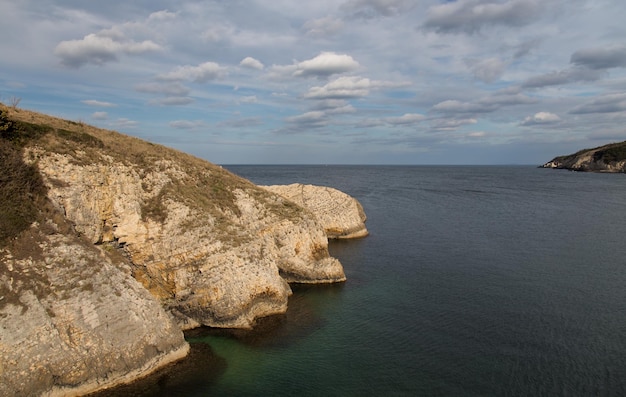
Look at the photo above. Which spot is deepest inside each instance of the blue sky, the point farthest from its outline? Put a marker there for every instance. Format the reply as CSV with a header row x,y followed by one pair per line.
x,y
328,82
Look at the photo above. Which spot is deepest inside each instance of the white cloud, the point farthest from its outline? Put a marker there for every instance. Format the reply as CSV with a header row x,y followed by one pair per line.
x,y
326,64
102,104
305,121
99,49
406,119
541,118
455,106
323,26
341,88
200,74
251,63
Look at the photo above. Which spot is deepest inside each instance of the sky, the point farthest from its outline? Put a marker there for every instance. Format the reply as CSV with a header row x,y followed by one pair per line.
x,y
329,81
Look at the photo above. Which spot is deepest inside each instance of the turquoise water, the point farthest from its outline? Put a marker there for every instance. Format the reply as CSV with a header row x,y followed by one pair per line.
x,y
475,281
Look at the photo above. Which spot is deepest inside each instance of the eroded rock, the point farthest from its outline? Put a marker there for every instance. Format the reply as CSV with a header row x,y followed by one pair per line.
x,y
341,215
72,322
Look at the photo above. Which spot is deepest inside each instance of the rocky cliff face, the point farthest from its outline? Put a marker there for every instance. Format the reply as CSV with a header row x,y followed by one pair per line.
x,y
215,249
219,263
341,216
136,242
608,158
72,322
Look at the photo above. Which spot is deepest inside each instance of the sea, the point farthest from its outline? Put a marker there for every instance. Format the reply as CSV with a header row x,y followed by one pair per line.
x,y
474,281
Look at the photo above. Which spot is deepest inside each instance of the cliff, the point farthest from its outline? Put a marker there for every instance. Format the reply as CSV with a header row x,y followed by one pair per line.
x,y
607,158
341,216
112,245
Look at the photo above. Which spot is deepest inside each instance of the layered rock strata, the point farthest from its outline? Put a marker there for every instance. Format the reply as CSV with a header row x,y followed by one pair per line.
x,y
215,249
71,322
341,215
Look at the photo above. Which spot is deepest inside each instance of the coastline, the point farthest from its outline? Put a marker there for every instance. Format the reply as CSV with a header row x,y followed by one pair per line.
x,y
101,384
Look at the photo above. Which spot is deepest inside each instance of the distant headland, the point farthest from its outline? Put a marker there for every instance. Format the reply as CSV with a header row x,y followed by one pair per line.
x,y
607,158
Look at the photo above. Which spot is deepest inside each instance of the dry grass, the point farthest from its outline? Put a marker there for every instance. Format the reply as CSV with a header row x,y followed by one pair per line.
x,y
205,187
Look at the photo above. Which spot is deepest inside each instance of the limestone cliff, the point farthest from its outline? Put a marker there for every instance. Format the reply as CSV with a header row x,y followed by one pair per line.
x,y
72,322
341,216
214,248
607,158
110,245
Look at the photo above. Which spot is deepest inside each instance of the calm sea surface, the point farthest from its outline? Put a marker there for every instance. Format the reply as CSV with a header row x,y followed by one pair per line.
x,y
474,281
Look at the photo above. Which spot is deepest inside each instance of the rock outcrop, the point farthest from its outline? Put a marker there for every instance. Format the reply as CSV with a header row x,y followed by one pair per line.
x,y
341,215
215,249
607,158
136,242
221,262
71,322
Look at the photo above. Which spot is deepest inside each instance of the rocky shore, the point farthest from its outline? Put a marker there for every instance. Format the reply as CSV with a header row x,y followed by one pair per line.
x,y
137,242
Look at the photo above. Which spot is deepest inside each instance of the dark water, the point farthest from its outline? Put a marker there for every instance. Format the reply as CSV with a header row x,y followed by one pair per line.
x,y
475,281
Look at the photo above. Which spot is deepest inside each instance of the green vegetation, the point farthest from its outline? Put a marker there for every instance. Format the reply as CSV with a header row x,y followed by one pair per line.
x,y
612,153
22,190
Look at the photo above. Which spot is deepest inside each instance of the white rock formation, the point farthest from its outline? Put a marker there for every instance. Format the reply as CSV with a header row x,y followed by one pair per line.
x,y
71,322
214,248
341,215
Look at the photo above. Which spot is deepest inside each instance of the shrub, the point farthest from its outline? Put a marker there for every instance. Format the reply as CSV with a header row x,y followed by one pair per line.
x,y
22,190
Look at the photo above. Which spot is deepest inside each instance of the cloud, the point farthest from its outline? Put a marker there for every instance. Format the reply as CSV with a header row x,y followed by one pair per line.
x,y
470,16
566,76
200,74
406,119
100,115
455,106
168,89
600,58
248,99
451,124
324,65
334,106
341,88
320,27
241,123
251,63
487,70
162,15
375,8
125,123
173,101
477,134
610,103
486,104
93,102
99,49
308,120
187,124
541,118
